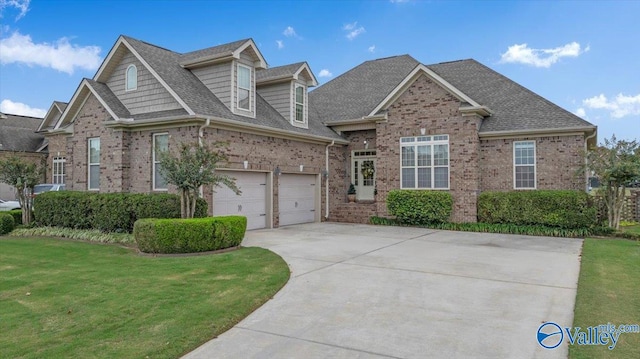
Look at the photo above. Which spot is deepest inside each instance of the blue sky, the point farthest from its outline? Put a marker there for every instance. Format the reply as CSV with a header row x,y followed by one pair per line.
x,y
581,55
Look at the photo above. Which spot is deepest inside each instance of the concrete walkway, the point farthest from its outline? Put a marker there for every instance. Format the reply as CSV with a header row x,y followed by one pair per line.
x,y
359,291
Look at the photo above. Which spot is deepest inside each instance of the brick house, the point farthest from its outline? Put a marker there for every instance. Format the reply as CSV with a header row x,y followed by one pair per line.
x,y
388,123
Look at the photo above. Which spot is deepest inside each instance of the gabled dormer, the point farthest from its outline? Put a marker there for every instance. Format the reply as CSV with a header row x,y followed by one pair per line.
x,y
285,88
229,71
52,116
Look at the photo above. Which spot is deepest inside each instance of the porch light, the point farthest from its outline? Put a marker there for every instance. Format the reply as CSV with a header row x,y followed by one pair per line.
x,y
325,173
245,164
277,171
301,168
423,131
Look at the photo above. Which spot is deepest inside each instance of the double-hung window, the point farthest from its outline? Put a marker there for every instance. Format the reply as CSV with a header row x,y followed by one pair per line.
x,y
299,103
160,144
424,162
524,165
58,170
244,87
93,182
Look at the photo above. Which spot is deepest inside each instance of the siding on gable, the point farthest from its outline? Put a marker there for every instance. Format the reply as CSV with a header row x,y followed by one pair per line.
x,y
150,96
279,97
218,79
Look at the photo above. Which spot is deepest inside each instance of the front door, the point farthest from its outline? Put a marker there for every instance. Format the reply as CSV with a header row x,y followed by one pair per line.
x,y
363,174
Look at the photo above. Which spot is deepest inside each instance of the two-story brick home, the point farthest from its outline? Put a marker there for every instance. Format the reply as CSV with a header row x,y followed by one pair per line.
x,y
388,123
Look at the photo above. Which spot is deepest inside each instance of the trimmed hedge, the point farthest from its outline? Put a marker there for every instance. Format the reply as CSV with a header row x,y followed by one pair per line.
x,y
419,206
6,223
189,235
552,208
107,212
17,216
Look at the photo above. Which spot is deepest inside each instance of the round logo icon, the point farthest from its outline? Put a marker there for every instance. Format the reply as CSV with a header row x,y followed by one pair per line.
x,y
550,335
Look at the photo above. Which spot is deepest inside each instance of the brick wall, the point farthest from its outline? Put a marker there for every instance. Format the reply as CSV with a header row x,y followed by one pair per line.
x,y
427,105
57,148
558,159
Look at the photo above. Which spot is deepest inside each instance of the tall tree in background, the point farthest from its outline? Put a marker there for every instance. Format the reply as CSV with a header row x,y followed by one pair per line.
x,y
192,167
22,175
616,164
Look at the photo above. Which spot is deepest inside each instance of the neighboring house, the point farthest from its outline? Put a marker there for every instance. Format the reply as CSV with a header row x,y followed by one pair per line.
x,y
386,124
18,137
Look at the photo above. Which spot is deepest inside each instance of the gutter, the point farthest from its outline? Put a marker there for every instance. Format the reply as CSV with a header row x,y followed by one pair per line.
x,y
536,131
326,181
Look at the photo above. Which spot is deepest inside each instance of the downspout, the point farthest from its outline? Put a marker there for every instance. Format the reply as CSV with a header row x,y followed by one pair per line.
x,y
586,150
200,142
326,181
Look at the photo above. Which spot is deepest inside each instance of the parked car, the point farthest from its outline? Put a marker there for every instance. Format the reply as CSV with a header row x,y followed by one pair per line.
x,y
9,205
47,187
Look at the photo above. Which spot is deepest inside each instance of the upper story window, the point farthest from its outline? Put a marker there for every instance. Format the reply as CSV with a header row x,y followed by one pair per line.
x,y
244,87
160,144
299,103
131,81
425,162
524,164
93,182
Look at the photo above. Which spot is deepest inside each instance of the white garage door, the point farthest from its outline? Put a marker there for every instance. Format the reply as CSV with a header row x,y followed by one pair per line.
x,y
297,198
252,203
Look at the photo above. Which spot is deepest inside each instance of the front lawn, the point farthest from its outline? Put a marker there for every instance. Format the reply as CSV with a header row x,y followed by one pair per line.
x,y
608,292
631,229
63,299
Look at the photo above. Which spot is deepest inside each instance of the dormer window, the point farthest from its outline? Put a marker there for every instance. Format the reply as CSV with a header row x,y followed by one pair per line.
x,y
131,81
244,88
299,104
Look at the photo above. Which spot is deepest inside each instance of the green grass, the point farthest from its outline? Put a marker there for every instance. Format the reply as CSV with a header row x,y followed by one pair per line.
x,y
609,292
65,299
631,229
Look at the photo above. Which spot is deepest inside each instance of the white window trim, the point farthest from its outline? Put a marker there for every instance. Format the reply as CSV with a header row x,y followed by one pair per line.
x,y
415,143
250,109
296,103
89,164
535,167
126,78
155,161
58,163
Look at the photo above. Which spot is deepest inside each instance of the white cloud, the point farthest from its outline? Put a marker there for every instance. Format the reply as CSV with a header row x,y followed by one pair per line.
x,y
372,48
18,108
280,44
325,73
398,1
353,30
289,32
581,112
540,57
22,5
620,106
61,55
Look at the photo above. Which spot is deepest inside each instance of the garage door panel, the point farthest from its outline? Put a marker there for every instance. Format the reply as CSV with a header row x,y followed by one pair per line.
x,y
297,199
251,203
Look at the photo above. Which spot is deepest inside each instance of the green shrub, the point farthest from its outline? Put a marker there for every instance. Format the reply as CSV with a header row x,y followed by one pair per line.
x,y
6,223
189,235
91,235
420,207
552,208
17,216
107,212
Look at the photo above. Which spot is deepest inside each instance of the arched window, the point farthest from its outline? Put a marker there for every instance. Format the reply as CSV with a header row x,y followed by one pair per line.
x,y
131,81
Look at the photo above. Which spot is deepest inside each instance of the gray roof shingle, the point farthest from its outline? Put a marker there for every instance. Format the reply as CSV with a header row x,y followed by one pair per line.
x,y
17,133
212,52
203,102
277,72
110,98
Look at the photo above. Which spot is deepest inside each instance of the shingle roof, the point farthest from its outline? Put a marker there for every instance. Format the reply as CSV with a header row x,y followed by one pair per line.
x,y
358,91
212,52
203,102
110,98
17,133
513,106
277,72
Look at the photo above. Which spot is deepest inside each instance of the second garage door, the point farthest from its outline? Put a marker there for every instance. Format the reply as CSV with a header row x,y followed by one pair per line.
x,y
252,203
297,198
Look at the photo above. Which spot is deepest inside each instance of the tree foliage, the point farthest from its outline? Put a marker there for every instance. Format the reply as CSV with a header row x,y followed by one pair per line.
x,y
192,167
616,163
22,175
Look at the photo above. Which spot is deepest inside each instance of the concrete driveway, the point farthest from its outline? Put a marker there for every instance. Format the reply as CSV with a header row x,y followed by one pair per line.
x,y
359,291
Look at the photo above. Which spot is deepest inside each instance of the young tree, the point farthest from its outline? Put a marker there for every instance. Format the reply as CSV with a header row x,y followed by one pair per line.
x,y
615,164
193,167
22,175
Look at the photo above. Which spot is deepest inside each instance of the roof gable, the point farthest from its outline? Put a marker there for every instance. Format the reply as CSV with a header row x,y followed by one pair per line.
x,y
297,71
53,114
222,53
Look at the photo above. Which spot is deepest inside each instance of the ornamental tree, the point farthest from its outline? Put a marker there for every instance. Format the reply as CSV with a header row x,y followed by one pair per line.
x,y
22,175
189,169
616,164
